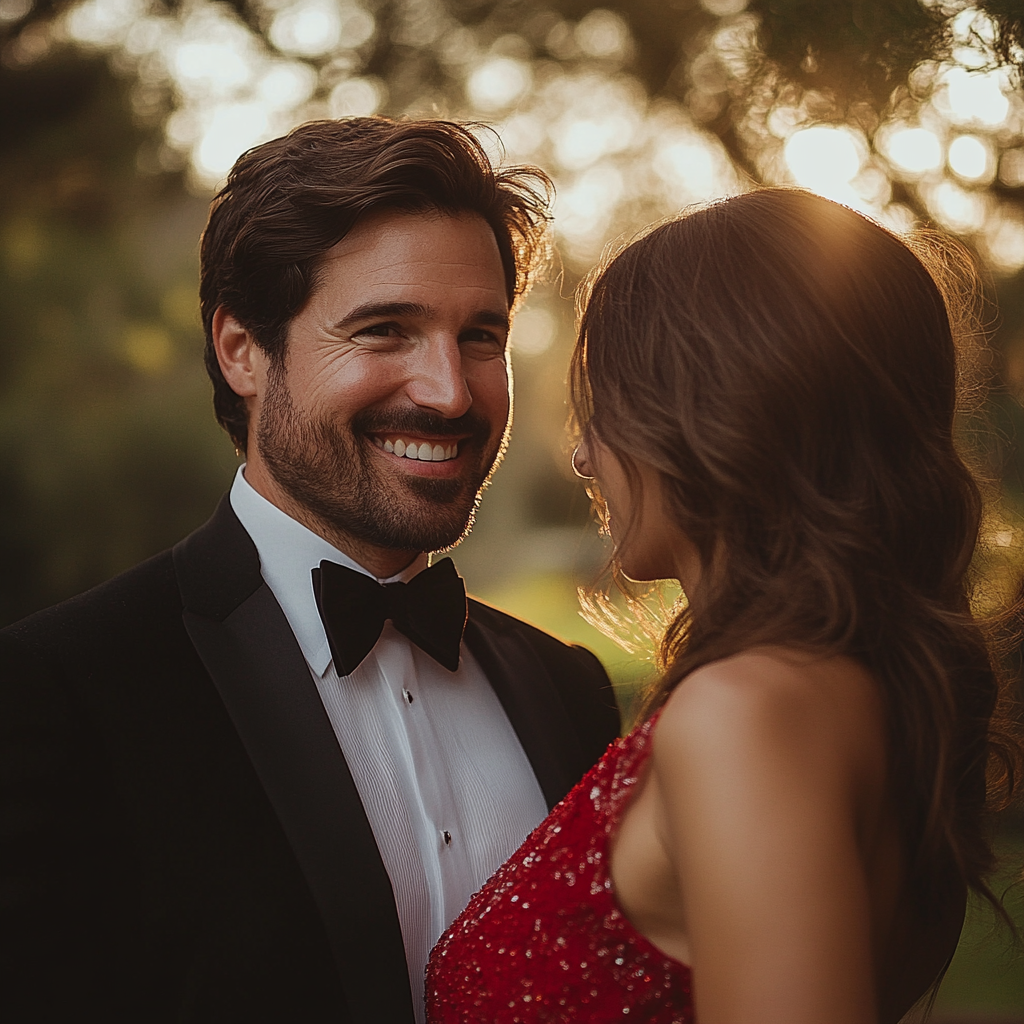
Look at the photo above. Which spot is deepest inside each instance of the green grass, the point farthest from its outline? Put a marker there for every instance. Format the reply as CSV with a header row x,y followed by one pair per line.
x,y
985,981
549,601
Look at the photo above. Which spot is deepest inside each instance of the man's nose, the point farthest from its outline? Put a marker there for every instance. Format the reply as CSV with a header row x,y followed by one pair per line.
x,y
438,379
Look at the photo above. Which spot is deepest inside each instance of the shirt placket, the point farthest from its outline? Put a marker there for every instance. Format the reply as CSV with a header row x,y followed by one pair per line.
x,y
443,841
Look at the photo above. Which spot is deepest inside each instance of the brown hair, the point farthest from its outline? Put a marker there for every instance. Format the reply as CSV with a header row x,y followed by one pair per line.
x,y
287,202
788,367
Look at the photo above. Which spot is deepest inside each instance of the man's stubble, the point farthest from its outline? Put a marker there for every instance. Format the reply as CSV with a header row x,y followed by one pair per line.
x,y
327,470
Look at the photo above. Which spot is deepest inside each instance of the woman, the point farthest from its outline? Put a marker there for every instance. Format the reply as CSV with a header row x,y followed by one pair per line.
x,y
766,390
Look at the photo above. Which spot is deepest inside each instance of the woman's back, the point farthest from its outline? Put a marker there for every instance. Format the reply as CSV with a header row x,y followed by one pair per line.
x,y
767,803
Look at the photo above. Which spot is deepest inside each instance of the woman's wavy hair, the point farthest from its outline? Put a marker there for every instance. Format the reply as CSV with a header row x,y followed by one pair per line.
x,y
788,367
288,201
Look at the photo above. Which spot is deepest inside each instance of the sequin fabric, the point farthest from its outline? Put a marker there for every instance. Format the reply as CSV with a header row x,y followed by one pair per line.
x,y
544,939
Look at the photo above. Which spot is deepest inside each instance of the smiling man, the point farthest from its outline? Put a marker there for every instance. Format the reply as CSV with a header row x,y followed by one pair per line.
x,y
255,778
395,402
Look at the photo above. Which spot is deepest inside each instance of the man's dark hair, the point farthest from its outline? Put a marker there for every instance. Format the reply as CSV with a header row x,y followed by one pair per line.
x,y
287,202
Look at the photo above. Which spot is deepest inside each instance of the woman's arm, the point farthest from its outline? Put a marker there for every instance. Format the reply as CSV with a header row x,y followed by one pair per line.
x,y
766,769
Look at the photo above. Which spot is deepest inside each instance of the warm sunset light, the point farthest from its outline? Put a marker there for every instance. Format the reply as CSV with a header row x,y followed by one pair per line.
x,y
498,83
825,160
914,150
975,96
122,122
971,158
357,97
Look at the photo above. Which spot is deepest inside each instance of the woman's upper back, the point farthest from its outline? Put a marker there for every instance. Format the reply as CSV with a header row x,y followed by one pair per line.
x,y
764,847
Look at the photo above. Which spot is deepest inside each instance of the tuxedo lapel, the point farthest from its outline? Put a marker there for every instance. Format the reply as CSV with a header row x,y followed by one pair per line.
x,y
246,645
527,692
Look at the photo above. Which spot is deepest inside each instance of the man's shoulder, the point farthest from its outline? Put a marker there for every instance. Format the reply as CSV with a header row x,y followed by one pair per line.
x,y
546,645
145,594
550,669
148,598
569,665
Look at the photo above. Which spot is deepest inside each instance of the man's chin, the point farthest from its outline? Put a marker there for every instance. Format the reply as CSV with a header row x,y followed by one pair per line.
x,y
439,491
443,511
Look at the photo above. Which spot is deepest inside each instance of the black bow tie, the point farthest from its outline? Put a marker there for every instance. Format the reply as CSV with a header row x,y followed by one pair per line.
x,y
430,610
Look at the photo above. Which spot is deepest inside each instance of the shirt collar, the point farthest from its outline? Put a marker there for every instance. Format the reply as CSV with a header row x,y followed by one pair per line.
x,y
288,553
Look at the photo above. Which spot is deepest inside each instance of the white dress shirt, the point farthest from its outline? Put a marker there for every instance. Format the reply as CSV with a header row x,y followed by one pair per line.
x,y
444,781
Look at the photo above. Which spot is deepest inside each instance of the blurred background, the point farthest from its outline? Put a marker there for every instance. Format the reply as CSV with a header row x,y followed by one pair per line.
x,y
118,119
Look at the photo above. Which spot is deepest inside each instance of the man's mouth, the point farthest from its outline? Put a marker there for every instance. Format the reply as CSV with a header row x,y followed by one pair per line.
x,y
420,449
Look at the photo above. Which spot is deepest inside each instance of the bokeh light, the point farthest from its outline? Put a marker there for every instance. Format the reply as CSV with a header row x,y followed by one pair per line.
x,y
955,208
285,85
14,10
914,151
617,159
307,30
974,97
103,22
971,158
602,33
229,131
1011,168
357,97
950,140
312,28
497,84
212,67
230,89
1004,243
598,117
584,208
826,160
148,348
691,168
533,331
724,8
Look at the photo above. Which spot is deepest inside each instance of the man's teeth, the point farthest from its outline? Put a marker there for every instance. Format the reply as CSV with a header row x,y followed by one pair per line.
x,y
425,452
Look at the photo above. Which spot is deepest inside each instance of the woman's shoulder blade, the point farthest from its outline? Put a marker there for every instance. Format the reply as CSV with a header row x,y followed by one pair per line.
x,y
771,703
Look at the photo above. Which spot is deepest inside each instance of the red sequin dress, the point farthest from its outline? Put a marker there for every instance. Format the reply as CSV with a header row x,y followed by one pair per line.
x,y
544,939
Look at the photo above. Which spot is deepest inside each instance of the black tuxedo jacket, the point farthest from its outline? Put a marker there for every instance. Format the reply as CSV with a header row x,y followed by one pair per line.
x,y
180,836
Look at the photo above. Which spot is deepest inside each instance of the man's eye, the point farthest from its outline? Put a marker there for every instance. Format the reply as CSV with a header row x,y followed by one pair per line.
x,y
378,331
481,335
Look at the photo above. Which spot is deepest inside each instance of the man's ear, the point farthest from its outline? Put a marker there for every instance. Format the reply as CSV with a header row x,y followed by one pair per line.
x,y
234,346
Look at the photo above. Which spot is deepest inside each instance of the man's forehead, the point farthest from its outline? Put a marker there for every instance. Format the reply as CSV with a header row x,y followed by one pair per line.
x,y
393,252
393,233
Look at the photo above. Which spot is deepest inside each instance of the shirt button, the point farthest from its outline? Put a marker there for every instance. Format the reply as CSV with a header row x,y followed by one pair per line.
x,y
447,836
407,695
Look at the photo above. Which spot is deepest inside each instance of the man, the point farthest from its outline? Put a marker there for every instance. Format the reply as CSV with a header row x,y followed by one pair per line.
x,y
254,778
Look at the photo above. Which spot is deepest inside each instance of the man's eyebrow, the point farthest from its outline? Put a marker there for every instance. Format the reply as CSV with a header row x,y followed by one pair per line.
x,y
385,310
492,318
381,311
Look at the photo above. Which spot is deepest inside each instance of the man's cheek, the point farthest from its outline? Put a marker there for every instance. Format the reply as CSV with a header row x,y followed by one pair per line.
x,y
496,394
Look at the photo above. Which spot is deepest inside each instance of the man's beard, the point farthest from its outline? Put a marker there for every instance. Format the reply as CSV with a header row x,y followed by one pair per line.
x,y
328,470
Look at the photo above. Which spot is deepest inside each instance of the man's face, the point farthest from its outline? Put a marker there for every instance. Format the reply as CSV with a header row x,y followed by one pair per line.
x,y
393,401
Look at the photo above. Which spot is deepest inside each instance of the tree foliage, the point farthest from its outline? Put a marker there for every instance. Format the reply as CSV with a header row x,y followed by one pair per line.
x,y
107,448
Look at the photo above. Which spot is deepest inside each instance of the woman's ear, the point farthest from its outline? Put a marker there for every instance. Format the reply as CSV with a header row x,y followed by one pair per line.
x,y
234,347
580,461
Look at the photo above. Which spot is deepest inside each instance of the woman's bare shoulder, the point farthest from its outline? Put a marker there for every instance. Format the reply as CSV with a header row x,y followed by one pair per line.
x,y
776,702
